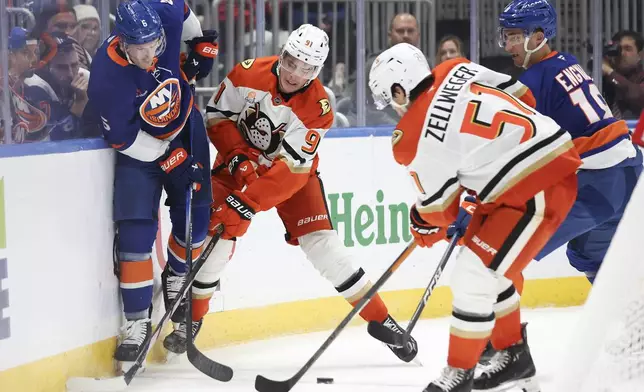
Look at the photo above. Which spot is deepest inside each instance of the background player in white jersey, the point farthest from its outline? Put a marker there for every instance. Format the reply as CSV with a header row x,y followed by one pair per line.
x,y
267,121
459,133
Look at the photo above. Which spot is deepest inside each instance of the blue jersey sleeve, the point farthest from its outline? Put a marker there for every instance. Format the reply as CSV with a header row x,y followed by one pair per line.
x,y
112,97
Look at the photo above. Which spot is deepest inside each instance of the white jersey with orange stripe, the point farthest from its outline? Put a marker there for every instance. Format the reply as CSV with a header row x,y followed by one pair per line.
x,y
463,133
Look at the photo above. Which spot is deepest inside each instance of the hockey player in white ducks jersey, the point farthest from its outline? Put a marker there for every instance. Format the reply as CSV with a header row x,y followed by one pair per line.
x,y
460,133
266,121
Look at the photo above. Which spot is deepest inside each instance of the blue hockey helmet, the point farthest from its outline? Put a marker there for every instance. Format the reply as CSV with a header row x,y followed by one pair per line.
x,y
138,23
528,15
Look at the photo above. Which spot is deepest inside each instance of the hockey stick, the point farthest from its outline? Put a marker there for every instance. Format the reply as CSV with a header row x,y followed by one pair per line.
x,y
263,384
88,384
388,336
198,359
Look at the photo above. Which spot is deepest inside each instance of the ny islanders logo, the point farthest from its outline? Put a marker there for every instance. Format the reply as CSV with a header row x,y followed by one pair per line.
x,y
163,104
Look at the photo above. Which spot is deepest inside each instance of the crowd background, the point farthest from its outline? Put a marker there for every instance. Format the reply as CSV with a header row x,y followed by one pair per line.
x,y
46,49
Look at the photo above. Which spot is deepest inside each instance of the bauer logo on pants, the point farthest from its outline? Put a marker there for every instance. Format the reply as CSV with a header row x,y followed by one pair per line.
x,y
5,331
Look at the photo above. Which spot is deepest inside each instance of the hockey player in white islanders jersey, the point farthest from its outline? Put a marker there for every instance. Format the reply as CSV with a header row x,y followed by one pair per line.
x,y
458,133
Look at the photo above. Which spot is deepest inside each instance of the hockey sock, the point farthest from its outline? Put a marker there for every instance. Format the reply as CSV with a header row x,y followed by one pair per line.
x,y
136,279
376,310
201,295
177,255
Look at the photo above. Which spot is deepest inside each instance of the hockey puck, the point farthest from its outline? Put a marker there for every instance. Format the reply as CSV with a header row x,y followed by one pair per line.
x,y
325,380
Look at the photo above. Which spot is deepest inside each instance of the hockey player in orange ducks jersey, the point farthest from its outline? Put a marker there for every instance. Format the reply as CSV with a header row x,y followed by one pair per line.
x,y
459,133
267,120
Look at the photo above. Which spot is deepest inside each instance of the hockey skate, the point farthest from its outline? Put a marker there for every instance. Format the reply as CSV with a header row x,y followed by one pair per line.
x,y
177,342
509,369
452,380
407,353
171,286
487,354
489,351
131,338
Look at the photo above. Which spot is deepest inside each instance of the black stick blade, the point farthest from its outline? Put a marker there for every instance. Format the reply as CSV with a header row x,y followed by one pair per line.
x,y
207,366
263,384
385,335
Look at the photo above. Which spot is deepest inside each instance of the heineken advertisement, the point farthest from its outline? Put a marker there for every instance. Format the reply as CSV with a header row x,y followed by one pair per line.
x,y
364,224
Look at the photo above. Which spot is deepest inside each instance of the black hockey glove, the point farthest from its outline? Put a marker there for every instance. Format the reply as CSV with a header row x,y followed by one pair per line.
x,y
203,51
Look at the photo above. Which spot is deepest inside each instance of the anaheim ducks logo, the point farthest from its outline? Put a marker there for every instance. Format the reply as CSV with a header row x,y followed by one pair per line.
x,y
163,104
260,130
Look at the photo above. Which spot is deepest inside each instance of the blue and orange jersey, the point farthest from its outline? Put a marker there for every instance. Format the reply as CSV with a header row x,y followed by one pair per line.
x,y
129,99
564,92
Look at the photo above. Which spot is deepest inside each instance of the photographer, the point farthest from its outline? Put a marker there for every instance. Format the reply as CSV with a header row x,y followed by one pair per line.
x,y
624,74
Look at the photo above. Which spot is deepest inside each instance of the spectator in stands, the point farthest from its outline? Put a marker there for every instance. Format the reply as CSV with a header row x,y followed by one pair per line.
x,y
28,121
55,18
624,74
403,28
60,87
449,47
60,19
88,29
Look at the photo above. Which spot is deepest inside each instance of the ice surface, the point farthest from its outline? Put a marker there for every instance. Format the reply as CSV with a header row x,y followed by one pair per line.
x,y
356,361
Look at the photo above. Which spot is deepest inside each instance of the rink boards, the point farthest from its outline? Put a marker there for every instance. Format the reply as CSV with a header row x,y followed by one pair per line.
x,y
59,303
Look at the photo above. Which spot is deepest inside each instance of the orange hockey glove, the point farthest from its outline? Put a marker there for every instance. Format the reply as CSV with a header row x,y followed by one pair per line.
x,y
424,233
242,168
235,214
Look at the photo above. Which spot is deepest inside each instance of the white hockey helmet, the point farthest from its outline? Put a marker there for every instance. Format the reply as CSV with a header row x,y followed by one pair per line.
x,y
308,44
402,64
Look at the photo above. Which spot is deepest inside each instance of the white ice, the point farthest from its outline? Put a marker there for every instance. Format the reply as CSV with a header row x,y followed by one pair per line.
x,y
355,361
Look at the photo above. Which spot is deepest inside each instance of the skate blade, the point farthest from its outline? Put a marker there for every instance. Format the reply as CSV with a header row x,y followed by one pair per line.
x,y
123,367
172,358
524,385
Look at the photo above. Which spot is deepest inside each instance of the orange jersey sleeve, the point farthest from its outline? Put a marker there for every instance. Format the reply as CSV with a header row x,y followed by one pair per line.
x,y
222,112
